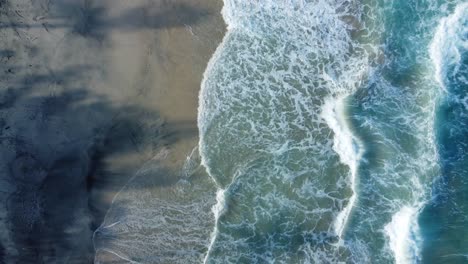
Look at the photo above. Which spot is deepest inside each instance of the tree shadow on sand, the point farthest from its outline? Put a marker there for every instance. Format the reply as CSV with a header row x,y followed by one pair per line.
x,y
65,148
62,153
93,20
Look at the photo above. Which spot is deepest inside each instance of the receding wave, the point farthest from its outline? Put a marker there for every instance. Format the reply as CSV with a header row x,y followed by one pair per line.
x,y
282,160
161,216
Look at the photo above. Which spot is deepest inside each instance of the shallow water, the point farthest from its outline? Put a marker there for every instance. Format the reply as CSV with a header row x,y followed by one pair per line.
x,y
329,128
331,131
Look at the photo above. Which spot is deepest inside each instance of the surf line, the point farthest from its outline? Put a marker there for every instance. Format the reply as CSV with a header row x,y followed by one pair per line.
x,y
443,53
348,147
403,233
220,205
443,49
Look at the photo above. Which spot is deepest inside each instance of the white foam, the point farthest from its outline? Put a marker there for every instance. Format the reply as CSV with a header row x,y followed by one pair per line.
x,y
445,47
218,210
444,51
306,32
201,120
344,144
403,234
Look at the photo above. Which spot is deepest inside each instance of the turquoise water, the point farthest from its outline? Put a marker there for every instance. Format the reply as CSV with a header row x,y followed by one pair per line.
x,y
445,218
335,131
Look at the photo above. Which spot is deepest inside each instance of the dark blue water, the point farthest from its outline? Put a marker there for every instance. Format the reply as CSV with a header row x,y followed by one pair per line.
x,y
393,114
444,221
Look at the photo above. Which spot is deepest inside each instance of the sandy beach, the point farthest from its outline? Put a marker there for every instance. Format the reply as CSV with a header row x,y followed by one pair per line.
x,y
91,92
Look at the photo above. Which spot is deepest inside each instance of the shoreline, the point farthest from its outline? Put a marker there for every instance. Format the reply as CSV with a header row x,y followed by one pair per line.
x,y
93,97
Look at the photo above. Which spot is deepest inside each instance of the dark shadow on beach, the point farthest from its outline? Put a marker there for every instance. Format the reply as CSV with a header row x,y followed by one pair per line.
x,y
69,141
63,151
92,20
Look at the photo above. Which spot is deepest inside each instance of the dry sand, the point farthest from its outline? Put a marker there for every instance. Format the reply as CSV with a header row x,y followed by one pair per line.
x,y
89,92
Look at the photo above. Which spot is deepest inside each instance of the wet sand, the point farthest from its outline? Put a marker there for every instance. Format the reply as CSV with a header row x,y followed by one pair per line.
x,y
89,92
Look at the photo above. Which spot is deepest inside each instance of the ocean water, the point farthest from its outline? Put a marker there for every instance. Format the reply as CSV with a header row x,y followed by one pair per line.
x,y
331,131
444,220
335,132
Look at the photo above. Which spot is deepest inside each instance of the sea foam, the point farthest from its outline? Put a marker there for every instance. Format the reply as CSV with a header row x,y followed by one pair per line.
x,y
449,39
403,233
263,138
348,147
